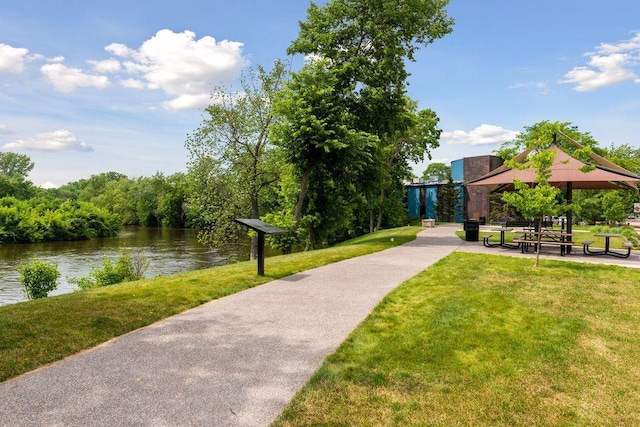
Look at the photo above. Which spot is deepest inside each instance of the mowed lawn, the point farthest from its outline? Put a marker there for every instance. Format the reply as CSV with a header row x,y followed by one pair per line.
x,y
483,340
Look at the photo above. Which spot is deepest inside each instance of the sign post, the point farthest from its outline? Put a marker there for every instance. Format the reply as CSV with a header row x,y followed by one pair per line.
x,y
262,228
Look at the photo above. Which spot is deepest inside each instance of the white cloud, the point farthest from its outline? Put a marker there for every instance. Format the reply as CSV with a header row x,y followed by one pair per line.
x,y
65,79
4,130
610,64
482,135
132,83
182,66
106,66
540,87
187,101
119,49
12,59
56,141
48,185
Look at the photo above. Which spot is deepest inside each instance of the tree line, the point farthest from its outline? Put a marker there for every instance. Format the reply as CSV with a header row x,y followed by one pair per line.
x,y
89,208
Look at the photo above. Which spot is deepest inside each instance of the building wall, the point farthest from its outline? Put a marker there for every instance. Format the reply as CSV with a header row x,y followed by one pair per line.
x,y
477,198
421,200
413,202
422,197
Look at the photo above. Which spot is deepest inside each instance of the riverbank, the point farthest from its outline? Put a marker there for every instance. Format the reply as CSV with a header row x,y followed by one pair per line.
x,y
39,332
168,250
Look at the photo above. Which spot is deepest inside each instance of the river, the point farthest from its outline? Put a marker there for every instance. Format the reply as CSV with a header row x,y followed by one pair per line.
x,y
168,250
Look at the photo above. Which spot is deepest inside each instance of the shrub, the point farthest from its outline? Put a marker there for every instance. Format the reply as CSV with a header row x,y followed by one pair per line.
x,y
126,268
38,278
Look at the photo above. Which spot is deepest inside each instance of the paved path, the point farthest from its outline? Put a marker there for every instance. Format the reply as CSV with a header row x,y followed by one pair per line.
x,y
236,361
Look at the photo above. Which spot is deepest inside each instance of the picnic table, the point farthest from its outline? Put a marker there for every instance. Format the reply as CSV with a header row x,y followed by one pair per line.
x,y
502,243
607,250
544,237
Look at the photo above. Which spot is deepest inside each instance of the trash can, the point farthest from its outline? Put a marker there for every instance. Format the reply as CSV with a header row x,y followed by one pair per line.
x,y
471,230
483,220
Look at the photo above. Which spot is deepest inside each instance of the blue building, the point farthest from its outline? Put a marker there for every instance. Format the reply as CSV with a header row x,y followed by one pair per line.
x,y
422,196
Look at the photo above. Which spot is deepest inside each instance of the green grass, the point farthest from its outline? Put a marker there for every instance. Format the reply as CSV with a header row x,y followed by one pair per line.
x,y
39,332
485,340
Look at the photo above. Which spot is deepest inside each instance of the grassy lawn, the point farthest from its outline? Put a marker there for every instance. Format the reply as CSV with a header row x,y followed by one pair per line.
x,y
485,340
38,332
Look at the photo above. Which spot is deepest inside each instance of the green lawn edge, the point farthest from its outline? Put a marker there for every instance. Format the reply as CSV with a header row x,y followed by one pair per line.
x,y
36,333
487,340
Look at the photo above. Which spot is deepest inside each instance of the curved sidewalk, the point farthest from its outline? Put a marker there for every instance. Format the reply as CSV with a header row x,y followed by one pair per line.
x,y
236,361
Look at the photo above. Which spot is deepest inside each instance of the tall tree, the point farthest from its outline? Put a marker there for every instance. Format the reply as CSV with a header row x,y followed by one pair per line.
x,y
14,170
317,131
14,165
437,170
235,138
350,99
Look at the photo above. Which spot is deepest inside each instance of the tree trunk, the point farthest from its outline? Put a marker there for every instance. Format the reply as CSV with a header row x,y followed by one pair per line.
x,y
539,229
371,229
379,224
304,184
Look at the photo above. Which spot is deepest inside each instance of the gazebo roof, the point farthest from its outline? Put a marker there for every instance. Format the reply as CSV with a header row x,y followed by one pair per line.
x,y
565,169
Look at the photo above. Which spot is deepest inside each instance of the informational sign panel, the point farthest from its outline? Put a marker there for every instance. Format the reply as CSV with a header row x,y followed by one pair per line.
x,y
636,208
261,228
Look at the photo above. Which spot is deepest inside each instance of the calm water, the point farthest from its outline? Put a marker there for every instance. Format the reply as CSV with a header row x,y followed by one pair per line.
x,y
168,250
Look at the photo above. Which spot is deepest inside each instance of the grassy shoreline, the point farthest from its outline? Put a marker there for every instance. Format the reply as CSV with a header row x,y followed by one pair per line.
x,y
35,333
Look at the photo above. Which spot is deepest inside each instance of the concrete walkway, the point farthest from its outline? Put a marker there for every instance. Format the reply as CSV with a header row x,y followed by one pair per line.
x,y
236,361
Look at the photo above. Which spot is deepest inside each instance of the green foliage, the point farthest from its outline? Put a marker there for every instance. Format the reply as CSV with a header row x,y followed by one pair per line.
x,y
294,236
616,208
42,219
15,165
127,267
38,278
448,203
541,135
347,125
233,167
437,170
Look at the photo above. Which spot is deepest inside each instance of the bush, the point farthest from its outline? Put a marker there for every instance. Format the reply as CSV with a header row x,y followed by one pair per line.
x,y
126,268
38,278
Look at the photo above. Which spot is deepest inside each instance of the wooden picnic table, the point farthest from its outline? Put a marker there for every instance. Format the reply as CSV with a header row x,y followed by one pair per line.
x,y
607,250
545,237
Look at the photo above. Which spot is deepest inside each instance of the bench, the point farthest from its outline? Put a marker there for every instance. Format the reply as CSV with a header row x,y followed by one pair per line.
x,y
524,244
485,240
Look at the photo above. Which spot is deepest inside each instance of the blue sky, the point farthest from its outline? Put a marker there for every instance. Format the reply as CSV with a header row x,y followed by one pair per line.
x,y
94,86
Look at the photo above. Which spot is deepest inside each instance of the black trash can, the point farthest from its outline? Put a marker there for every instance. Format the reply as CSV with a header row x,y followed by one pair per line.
x,y
483,220
471,230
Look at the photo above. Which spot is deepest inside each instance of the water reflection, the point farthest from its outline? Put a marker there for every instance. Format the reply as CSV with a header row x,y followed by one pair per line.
x,y
168,250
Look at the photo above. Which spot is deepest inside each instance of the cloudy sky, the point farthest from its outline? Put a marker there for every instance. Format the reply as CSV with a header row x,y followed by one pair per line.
x,y
94,86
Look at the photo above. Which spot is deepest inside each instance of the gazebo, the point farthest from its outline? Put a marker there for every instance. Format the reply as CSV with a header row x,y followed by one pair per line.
x,y
567,173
